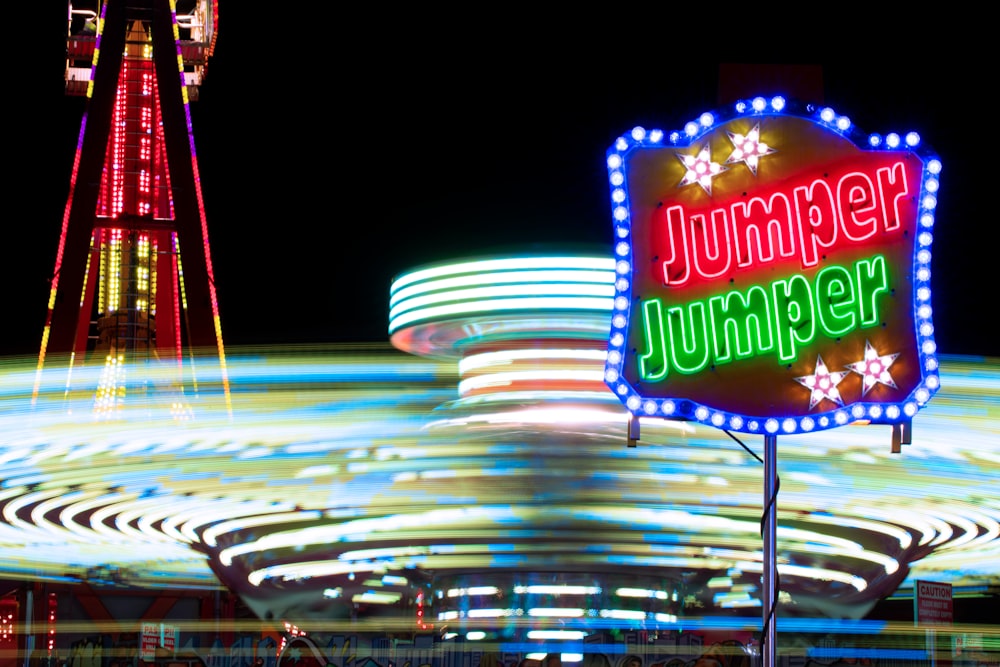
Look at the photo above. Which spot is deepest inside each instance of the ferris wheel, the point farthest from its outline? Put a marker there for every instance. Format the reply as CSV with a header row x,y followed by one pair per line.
x,y
197,27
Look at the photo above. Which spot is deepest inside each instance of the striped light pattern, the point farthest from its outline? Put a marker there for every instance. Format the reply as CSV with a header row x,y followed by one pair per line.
x,y
359,475
432,308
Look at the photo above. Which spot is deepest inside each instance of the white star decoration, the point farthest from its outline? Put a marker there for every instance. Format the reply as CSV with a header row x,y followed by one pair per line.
x,y
700,169
874,369
748,148
823,384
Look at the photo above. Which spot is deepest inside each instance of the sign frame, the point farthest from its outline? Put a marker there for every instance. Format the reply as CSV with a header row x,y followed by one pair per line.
x,y
822,410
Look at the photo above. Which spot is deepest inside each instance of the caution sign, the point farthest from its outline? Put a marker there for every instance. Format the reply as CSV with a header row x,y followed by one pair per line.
x,y
153,636
933,603
149,641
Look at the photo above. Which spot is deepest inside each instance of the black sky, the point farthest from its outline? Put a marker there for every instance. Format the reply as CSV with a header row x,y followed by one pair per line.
x,y
335,155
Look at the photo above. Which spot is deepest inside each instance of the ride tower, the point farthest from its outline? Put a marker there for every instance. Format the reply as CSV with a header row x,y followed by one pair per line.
x,y
133,288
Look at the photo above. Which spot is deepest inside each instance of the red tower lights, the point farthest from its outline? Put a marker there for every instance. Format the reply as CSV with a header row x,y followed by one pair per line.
x,y
133,279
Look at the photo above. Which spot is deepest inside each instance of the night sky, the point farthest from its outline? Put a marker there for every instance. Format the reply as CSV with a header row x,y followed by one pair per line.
x,y
336,155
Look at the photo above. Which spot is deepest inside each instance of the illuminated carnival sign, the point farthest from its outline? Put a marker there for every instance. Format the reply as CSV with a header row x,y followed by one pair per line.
x,y
772,271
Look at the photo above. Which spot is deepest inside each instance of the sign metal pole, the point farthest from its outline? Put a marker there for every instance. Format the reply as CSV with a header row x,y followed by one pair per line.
x,y
770,568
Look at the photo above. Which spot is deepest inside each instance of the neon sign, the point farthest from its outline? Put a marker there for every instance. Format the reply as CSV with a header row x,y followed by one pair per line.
x,y
772,271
